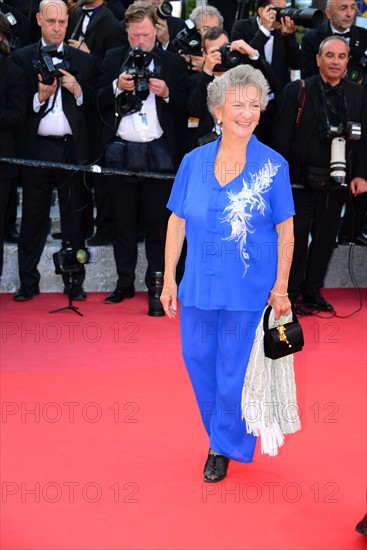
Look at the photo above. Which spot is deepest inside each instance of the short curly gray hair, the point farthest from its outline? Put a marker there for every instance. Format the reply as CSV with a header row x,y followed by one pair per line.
x,y
238,77
204,11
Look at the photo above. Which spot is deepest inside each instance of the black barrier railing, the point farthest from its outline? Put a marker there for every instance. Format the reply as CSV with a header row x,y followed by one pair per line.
x,y
92,168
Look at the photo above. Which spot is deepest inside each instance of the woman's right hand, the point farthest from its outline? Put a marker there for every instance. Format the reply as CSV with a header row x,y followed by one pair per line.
x,y
169,298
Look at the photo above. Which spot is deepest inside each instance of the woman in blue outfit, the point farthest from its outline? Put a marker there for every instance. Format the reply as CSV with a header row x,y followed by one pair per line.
x,y
232,200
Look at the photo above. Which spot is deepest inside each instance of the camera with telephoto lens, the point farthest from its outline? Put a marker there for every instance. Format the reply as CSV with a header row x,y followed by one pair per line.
x,y
358,71
347,130
188,40
69,260
230,58
45,66
308,17
338,136
164,10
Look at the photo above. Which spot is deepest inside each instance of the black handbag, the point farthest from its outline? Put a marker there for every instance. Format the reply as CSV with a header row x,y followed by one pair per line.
x,y
284,339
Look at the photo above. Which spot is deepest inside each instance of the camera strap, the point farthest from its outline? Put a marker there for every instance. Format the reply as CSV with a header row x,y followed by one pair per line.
x,y
301,98
330,107
49,109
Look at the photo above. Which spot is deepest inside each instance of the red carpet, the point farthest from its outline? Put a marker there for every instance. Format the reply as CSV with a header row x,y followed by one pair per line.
x,y
102,445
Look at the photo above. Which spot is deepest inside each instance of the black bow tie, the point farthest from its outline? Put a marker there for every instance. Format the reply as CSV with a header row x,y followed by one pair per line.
x,y
342,35
329,89
60,55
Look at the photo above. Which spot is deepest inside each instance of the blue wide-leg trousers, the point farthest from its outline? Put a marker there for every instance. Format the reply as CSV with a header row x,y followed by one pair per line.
x,y
216,346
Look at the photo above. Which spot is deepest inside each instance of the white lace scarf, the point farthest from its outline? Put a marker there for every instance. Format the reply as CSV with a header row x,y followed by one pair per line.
x,y
269,401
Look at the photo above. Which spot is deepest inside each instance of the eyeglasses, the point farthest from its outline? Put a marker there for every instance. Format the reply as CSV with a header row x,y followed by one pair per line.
x,y
204,29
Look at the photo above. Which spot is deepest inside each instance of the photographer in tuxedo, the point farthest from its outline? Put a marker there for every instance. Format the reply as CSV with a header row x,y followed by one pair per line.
x,y
12,114
141,98
55,130
20,35
276,41
340,16
340,22
94,29
321,129
205,17
217,54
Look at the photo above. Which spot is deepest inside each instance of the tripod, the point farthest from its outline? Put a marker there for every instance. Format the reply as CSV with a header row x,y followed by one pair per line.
x,y
70,305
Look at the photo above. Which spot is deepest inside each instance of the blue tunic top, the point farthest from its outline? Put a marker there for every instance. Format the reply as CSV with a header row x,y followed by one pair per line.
x,y
231,236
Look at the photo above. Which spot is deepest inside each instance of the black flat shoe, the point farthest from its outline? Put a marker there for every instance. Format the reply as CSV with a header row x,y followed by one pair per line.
x,y
99,240
24,295
361,240
215,468
12,236
361,527
316,301
120,294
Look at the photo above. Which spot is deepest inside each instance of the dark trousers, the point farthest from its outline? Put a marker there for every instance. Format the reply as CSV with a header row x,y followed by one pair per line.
x,y
5,193
38,184
104,215
318,214
354,217
264,129
11,208
139,203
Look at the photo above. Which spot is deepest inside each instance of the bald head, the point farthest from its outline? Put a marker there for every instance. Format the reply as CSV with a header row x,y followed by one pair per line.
x,y
341,14
53,20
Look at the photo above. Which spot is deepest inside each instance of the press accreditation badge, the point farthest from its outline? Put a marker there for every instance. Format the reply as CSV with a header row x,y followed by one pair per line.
x,y
140,122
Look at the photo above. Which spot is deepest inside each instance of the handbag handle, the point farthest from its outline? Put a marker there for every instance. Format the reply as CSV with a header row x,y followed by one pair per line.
x,y
267,315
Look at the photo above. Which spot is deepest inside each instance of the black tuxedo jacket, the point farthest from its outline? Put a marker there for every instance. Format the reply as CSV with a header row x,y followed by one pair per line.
x,y
292,141
286,52
13,104
102,34
170,115
313,38
83,65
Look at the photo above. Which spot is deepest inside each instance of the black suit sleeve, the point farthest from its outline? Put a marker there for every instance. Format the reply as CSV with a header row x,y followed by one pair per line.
x,y
23,58
293,53
250,32
109,71
309,48
285,120
197,102
13,104
175,74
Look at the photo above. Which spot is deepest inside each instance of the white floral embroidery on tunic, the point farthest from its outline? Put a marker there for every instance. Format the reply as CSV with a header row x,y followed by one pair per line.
x,y
241,205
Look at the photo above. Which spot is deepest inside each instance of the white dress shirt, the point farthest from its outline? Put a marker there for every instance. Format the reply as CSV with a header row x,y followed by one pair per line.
x,y
142,126
54,123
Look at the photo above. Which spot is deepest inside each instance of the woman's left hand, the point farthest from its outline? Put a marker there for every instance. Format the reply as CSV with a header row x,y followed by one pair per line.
x,y
280,304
